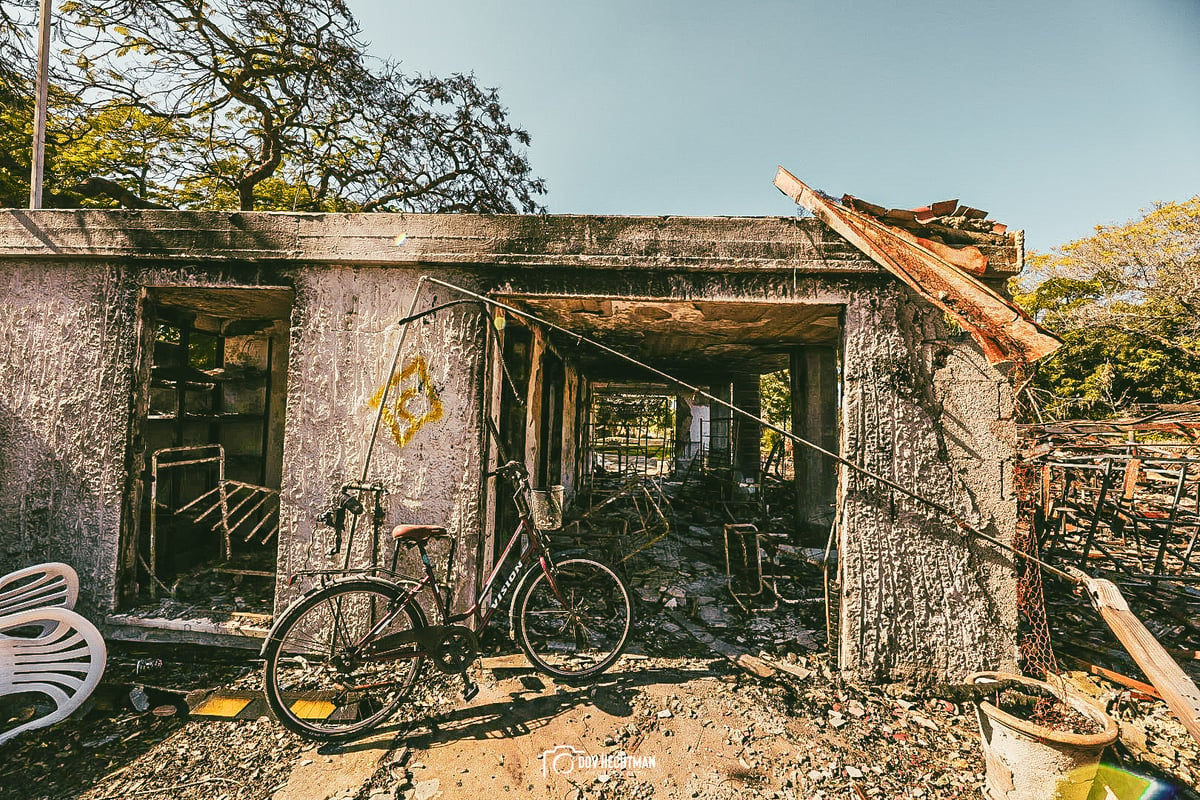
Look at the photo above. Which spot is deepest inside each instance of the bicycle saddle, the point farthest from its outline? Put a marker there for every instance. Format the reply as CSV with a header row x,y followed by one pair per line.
x,y
417,533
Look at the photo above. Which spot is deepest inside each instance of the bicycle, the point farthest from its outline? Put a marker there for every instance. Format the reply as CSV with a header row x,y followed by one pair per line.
x,y
342,658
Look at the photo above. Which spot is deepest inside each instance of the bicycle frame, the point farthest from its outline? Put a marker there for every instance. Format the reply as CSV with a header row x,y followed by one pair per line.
x,y
480,613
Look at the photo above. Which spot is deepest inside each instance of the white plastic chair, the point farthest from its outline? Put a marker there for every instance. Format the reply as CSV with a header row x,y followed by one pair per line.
x,y
51,584
64,661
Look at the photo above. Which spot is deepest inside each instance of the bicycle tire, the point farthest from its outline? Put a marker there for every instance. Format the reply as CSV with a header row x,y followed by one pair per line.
x,y
313,685
579,631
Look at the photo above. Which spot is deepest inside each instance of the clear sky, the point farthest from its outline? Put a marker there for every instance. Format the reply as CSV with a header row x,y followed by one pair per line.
x,y
1052,115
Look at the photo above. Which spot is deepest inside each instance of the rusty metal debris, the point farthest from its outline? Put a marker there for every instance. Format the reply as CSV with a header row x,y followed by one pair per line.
x,y
1173,420
1097,500
1003,331
1131,509
622,520
242,507
233,507
743,562
1181,695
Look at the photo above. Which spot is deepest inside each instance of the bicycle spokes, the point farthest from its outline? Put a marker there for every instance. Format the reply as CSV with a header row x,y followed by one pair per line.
x,y
323,677
578,626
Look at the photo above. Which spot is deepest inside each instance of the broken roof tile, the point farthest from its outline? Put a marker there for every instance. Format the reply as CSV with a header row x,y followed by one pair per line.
x,y
1003,331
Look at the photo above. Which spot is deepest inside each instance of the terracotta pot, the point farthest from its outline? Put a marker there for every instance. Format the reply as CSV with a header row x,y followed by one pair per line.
x,y
1027,761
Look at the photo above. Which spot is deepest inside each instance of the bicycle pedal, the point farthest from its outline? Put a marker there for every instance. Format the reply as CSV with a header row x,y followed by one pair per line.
x,y
470,689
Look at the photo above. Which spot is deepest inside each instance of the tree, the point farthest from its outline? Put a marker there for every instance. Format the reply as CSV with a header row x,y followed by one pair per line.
x,y
775,393
17,17
16,103
275,104
1126,302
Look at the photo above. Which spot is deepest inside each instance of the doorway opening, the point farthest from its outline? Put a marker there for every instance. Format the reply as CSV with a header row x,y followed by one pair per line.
x,y
204,508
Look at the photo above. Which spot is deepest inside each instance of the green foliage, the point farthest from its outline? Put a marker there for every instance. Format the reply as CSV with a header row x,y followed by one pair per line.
x,y
775,394
16,132
619,413
1125,302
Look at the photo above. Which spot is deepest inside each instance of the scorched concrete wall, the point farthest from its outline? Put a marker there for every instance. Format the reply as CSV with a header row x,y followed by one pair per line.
x,y
344,338
919,404
69,335
921,601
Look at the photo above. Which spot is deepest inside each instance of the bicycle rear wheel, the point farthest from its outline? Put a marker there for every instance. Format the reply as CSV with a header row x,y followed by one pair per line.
x,y
577,625
327,674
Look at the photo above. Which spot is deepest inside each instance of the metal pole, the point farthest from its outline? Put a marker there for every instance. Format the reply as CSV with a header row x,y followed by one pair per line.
x,y
39,109
387,383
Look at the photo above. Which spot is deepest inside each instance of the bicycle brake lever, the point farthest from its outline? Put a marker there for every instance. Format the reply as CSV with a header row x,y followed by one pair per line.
x,y
352,504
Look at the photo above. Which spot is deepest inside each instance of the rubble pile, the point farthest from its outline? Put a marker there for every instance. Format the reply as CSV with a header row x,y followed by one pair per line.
x,y
726,686
1152,738
245,584
770,590
1124,510
812,739
135,729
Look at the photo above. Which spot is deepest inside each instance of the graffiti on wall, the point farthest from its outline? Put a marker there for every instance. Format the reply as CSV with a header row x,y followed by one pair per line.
x,y
413,403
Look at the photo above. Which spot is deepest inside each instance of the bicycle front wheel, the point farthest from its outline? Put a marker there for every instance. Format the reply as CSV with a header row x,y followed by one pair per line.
x,y
339,661
575,624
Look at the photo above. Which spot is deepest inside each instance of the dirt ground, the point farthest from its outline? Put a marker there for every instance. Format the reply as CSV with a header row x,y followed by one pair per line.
x,y
677,717
682,726
669,721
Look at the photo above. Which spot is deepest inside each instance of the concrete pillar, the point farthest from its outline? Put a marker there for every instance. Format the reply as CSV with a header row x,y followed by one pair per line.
x,y
814,419
920,601
684,450
748,439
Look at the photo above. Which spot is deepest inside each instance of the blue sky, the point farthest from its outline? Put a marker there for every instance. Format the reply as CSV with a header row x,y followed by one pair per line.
x,y
1053,116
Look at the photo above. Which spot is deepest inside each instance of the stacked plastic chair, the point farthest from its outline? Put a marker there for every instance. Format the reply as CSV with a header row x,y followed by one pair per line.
x,y
46,648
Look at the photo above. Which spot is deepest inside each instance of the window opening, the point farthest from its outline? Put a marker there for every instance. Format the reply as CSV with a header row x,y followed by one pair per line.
x,y
631,433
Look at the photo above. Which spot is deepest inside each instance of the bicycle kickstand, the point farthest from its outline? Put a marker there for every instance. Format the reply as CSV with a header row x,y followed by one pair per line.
x,y
470,687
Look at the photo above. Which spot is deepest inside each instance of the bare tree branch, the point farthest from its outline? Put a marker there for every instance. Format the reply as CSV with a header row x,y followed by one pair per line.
x,y
272,103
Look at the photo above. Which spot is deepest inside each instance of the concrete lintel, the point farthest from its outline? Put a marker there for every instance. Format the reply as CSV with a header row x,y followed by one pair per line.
x,y
413,240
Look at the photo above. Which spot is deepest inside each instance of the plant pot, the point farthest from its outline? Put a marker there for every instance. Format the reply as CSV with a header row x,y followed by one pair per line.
x,y
1028,761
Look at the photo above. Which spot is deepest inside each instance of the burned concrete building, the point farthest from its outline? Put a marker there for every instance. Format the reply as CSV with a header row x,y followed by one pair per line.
x,y
226,370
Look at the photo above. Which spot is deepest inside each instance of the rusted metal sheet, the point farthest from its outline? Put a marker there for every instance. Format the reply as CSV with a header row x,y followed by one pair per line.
x,y
969,258
1003,331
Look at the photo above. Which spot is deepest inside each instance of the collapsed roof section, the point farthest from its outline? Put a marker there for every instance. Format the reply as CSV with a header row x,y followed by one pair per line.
x,y
933,250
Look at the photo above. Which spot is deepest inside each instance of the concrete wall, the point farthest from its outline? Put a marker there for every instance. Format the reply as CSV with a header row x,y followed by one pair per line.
x,y
69,347
919,405
344,338
920,601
